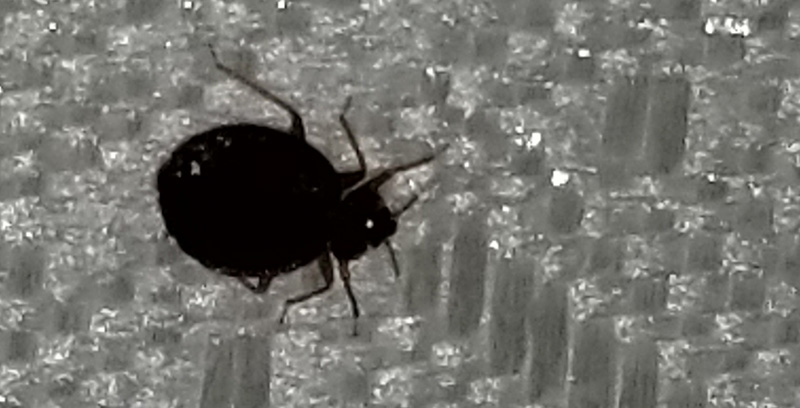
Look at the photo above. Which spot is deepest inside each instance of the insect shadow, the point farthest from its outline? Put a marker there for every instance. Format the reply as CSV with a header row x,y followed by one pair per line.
x,y
254,202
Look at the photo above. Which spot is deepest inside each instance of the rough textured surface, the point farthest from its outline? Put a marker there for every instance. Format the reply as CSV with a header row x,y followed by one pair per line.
x,y
617,212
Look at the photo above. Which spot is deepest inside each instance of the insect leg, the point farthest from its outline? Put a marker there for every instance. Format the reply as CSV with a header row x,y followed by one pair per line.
x,y
326,268
388,243
407,205
297,122
362,164
262,286
392,258
350,179
344,273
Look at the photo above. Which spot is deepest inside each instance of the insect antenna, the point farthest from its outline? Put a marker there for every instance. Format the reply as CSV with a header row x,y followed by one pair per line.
x,y
381,178
378,180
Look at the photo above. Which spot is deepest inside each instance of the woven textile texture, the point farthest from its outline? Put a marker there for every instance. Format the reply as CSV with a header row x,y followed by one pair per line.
x,y
613,225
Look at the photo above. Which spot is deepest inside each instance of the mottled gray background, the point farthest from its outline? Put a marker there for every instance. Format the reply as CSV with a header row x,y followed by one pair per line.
x,y
614,225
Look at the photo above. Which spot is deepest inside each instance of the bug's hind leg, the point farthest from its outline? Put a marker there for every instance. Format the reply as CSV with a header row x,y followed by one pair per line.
x,y
297,128
352,178
326,268
261,287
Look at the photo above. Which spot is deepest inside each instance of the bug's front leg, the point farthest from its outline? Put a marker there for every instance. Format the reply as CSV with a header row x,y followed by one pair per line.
x,y
344,273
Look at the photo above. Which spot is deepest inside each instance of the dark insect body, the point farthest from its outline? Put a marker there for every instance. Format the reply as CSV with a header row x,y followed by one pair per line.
x,y
254,202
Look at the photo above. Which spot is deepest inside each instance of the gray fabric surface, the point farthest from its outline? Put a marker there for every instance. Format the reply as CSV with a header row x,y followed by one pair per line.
x,y
614,224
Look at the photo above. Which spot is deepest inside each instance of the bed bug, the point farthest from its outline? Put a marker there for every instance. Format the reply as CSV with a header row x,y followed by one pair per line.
x,y
254,202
